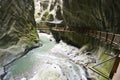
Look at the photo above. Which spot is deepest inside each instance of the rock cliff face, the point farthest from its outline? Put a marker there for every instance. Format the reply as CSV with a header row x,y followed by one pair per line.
x,y
48,11
93,14
17,28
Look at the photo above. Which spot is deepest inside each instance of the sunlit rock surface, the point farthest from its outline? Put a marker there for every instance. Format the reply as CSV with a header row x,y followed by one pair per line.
x,y
48,10
17,28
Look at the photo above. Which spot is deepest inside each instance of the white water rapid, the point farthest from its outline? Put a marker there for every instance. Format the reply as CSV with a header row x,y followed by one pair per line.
x,y
51,61
47,7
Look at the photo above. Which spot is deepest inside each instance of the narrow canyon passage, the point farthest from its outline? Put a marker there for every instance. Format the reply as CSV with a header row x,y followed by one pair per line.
x,y
59,39
51,61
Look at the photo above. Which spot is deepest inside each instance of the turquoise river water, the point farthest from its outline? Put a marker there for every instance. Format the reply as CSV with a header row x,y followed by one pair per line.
x,y
51,61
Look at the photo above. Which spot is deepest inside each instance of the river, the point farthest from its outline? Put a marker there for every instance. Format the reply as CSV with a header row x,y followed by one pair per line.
x,y
51,61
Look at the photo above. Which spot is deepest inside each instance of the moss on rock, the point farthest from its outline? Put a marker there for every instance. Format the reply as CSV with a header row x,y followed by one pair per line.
x,y
101,50
18,29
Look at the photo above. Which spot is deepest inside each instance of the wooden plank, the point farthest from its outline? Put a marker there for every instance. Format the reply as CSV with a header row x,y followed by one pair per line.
x,y
98,35
90,32
94,33
116,40
103,36
110,37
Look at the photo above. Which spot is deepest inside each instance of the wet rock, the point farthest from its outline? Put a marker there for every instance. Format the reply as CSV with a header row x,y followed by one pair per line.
x,y
17,28
1,70
8,76
89,53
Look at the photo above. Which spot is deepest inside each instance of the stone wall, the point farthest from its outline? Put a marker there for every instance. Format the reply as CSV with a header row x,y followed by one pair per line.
x,y
17,29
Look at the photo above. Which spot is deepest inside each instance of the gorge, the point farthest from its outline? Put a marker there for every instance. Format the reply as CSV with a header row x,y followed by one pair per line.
x,y
80,39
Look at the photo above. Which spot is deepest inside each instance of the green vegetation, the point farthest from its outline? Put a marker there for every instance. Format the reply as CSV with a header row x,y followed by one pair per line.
x,y
31,39
17,29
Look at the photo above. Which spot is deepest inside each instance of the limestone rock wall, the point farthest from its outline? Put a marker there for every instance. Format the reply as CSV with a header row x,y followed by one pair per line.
x,y
17,28
47,11
102,15
94,14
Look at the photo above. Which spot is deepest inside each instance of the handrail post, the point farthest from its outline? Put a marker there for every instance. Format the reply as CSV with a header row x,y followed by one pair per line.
x,y
115,66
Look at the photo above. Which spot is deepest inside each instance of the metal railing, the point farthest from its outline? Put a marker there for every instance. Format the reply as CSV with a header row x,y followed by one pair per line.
x,y
100,73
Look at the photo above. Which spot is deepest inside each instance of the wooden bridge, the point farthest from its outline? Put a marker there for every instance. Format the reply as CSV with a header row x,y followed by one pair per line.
x,y
43,28
56,29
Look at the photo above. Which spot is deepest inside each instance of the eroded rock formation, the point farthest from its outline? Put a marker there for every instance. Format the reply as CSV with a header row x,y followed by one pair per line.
x,y
48,10
92,14
17,28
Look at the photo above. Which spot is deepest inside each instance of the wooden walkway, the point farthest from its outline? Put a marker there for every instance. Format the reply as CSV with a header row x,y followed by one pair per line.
x,y
43,28
56,29
109,38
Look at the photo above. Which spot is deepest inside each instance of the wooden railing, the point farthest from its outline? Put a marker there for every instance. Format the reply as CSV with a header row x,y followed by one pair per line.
x,y
110,38
43,28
